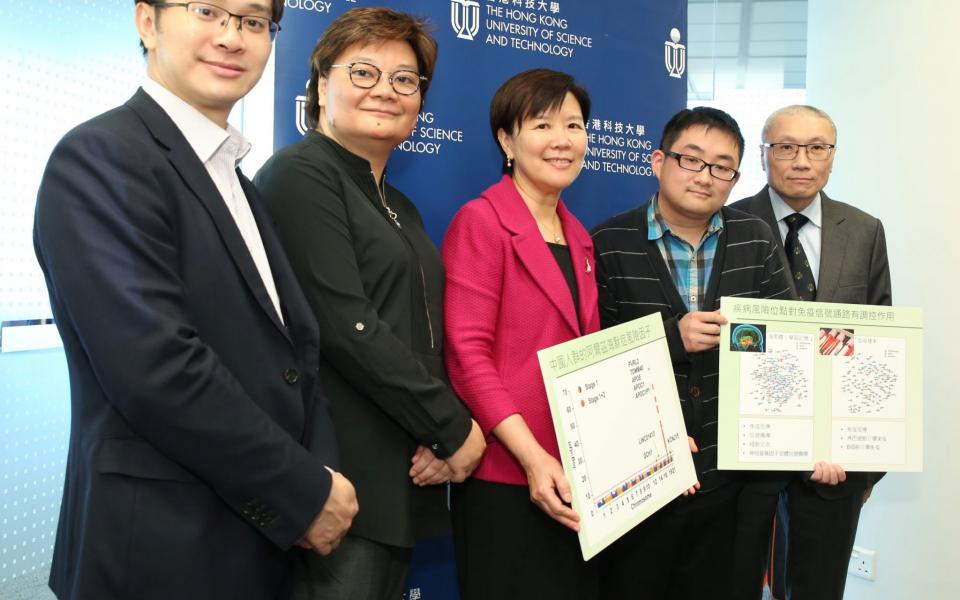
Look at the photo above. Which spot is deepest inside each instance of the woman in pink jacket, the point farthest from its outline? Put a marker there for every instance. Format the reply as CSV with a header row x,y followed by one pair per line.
x,y
519,279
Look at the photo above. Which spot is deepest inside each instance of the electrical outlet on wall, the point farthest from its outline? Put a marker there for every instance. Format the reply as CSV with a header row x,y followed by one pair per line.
x,y
863,563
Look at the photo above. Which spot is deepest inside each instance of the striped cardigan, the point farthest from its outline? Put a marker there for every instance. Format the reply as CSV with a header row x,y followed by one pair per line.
x,y
633,281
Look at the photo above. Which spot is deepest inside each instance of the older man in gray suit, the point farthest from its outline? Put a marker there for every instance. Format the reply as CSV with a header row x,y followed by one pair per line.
x,y
835,253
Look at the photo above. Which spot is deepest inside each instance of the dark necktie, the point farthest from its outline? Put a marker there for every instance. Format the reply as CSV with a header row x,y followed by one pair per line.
x,y
799,265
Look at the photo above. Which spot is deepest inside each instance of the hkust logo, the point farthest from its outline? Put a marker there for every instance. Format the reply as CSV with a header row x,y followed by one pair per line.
x,y
465,18
675,55
300,111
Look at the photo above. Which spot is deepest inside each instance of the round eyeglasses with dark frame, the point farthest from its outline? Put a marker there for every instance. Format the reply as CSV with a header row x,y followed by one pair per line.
x,y
692,163
212,15
365,76
789,151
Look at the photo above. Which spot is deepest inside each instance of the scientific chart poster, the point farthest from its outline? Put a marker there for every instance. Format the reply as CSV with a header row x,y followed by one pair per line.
x,y
802,382
619,426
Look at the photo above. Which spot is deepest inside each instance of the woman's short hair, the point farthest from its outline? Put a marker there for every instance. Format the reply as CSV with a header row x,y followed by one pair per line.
x,y
531,93
368,26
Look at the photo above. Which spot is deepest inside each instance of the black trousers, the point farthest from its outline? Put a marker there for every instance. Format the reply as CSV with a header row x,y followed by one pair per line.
x,y
755,513
506,547
820,537
675,554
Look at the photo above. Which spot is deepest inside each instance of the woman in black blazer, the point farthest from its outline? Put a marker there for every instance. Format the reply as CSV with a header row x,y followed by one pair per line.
x,y
375,283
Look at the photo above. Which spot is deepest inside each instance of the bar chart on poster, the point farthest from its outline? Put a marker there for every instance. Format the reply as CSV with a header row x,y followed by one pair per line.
x,y
619,426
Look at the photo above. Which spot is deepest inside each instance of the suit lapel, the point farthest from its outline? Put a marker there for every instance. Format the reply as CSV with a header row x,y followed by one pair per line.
x,y
288,290
543,269
531,250
195,176
581,256
833,246
760,206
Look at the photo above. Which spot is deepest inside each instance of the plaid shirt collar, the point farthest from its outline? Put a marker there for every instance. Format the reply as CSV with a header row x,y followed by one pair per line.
x,y
657,228
690,267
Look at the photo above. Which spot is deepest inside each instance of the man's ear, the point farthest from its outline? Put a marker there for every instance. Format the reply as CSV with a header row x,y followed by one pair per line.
x,y
656,161
145,18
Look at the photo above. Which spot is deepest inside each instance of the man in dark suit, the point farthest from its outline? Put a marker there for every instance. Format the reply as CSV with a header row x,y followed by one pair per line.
x,y
835,253
200,447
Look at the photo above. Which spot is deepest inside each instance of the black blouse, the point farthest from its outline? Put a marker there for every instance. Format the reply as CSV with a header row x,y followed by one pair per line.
x,y
375,282
561,253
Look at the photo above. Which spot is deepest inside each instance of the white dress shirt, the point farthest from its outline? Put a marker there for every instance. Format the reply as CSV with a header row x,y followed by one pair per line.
x,y
221,151
810,234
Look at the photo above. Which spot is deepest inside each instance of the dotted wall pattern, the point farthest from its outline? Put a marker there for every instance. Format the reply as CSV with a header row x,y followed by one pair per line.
x,y
61,62
34,427
65,61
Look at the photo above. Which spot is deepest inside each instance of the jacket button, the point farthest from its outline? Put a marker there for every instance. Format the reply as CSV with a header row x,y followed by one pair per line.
x,y
291,376
694,392
359,326
434,446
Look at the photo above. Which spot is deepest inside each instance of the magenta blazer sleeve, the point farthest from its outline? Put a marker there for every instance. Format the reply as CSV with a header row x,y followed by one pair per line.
x,y
474,254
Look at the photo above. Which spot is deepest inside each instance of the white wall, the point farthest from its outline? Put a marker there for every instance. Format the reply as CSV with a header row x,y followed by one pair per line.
x,y
887,71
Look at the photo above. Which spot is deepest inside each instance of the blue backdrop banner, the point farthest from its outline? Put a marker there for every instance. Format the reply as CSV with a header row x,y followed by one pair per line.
x,y
631,57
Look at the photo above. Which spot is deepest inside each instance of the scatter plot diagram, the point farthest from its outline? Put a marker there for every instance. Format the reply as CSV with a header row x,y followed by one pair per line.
x,y
871,382
779,381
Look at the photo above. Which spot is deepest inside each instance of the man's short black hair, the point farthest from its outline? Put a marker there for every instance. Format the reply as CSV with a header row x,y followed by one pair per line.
x,y
711,118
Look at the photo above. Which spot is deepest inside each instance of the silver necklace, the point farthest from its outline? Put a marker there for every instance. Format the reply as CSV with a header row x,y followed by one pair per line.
x,y
382,190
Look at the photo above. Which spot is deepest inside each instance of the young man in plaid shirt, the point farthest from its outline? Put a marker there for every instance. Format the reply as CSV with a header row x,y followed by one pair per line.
x,y
677,255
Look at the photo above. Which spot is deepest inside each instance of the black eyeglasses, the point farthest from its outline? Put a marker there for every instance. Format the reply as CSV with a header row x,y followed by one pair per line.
x,y
210,15
692,163
364,75
789,151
